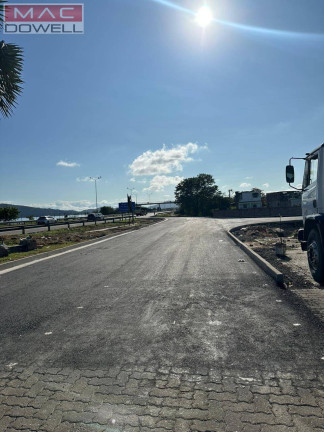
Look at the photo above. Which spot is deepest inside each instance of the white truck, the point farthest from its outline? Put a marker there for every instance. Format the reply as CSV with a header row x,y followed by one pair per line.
x,y
312,234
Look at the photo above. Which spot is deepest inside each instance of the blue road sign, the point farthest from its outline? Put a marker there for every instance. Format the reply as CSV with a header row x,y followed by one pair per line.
x,y
123,207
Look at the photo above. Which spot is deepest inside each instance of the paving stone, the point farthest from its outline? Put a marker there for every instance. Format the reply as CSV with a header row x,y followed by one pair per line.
x,y
224,396
306,397
233,421
26,423
200,400
203,426
216,411
237,407
5,422
257,418
149,410
261,404
277,428
244,394
182,425
46,410
52,421
148,421
263,389
167,412
21,412
193,414
3,410
164,393
19,401
13,391
251,428
173,383
282,414
305,411
314,422
285,400
63,396
165,424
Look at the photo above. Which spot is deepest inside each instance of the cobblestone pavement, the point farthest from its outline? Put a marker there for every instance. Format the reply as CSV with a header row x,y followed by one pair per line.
x,y
160,399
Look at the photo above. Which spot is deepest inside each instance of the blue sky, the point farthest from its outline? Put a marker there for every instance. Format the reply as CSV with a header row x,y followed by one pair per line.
x,y
146,97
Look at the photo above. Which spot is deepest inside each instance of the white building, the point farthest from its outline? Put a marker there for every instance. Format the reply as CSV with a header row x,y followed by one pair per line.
x,y
248,199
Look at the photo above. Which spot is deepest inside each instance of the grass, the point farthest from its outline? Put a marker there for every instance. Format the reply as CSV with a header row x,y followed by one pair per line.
x,y
19,255
56,239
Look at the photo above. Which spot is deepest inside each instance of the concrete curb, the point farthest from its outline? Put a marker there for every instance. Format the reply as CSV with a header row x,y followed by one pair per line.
x,y
267,267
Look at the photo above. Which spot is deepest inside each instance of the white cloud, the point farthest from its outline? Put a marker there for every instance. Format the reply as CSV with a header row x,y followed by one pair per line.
x,y
164,161
67,164
83,179
159,182
143,181
245,185
248,178
88,179
71,205
266,185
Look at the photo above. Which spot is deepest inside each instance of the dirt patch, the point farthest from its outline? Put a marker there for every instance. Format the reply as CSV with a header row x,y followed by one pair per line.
x,y
294,266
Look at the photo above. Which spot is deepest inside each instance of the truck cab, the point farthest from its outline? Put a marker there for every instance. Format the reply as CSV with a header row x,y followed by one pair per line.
x,y
140,211
312,234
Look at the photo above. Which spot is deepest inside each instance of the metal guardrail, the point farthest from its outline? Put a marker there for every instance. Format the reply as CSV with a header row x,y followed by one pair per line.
x,y
23,228
34,222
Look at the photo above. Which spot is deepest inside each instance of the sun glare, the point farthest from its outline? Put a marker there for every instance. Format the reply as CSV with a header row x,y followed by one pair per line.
x,y
204,16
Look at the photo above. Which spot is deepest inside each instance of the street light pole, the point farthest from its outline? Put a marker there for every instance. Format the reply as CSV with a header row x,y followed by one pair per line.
x,y
95,180
131,191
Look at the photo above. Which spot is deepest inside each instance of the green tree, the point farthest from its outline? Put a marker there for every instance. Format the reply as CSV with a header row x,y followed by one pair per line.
x,y
198,196
11,64
9,213
106,210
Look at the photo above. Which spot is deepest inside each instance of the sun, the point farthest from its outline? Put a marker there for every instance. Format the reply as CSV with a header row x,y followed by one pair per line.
x,y
204,16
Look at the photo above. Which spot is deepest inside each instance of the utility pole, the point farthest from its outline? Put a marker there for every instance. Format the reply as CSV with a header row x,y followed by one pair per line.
x,y
229,193
95,180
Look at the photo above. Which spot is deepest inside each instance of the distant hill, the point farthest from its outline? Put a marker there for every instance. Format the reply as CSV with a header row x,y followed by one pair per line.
x,y
26,211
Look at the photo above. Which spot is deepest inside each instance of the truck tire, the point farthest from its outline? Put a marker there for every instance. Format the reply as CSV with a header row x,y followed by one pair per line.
x,y
315,256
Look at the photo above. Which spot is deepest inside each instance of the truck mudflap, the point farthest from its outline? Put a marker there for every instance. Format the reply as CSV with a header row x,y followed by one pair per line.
x,y
301,239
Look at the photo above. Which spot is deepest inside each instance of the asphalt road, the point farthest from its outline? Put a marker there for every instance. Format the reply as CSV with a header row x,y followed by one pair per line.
x,y
174,291
179,294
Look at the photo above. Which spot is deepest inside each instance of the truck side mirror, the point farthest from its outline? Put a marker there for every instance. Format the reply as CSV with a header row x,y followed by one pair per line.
x,y
290,174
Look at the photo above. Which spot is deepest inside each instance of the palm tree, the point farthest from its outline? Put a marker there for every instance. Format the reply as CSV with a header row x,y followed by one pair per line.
x,y
11,64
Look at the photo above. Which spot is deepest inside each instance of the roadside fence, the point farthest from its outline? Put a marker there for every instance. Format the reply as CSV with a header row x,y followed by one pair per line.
x,y
83,221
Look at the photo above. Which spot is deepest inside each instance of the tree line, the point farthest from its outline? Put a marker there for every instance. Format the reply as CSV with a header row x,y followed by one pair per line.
x,y
199,196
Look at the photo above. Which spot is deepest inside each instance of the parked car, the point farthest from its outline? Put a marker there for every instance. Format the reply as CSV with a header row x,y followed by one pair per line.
x,y
95,216
46,220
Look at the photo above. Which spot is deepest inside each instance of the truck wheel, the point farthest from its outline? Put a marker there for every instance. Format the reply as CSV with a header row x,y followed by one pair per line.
x,y
315,256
